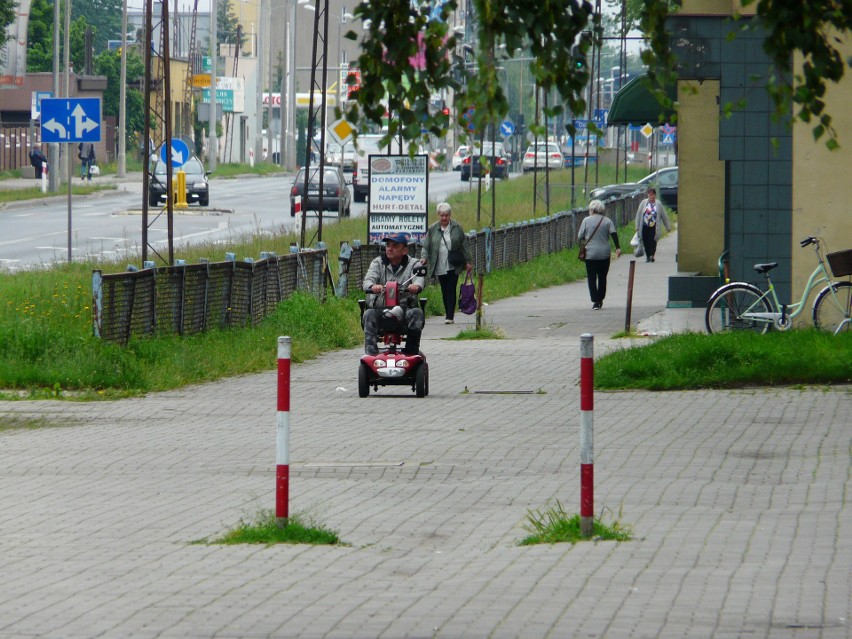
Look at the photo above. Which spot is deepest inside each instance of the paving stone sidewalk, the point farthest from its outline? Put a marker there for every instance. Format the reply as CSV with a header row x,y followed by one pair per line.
x,y
738,499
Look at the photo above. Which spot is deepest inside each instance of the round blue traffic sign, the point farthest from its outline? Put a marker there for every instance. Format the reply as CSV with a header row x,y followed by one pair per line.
x,y
507,128
178,150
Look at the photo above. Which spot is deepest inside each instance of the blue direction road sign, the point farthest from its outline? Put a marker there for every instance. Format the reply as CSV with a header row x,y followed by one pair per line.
x,y
71,120
580,125
179,152
507,128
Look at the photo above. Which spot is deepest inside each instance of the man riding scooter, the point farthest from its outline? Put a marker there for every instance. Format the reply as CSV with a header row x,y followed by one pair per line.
x,y
394,266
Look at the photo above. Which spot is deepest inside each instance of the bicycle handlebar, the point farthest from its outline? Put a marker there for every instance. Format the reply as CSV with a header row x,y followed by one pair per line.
x,y
808,241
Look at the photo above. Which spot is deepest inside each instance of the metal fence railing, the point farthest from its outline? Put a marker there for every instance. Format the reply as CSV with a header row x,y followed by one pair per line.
x,y
513,244
192,298
188,299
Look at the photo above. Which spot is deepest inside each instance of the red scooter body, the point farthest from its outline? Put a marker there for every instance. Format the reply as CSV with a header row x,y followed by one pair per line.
x,y
392,367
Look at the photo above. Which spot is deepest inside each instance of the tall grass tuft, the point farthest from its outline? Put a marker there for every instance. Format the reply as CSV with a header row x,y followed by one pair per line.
x,y
264,529
552,525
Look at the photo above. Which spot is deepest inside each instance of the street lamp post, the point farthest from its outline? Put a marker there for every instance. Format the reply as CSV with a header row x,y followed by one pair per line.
x,y
290,75
122,97
261,58
211,122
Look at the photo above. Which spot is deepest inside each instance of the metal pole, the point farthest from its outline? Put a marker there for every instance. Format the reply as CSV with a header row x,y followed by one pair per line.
x,y
122,97
213,151
290,71
282,424
68,169
261,47
629,308
53,149
270,65
587,443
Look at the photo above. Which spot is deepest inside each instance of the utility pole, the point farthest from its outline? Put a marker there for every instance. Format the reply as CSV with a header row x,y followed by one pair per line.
x,y
53,150
122,97
261,65
213,149
290,73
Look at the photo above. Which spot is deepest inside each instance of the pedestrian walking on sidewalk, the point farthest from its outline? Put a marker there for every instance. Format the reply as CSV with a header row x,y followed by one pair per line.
x,y
650,219
86,153
38,161
596,231
446,253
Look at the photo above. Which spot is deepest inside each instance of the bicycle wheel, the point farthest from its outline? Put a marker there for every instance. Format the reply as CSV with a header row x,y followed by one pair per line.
x,y
830,310
727,305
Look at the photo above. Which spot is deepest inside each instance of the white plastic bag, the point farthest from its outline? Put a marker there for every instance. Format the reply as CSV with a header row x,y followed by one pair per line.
x,y
635,241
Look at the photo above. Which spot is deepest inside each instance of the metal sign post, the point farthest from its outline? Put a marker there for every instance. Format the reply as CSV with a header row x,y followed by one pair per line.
x,y
69,121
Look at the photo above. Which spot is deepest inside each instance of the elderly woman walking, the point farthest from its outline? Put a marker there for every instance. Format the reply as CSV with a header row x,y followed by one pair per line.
x,y
447,254
595,232
650,219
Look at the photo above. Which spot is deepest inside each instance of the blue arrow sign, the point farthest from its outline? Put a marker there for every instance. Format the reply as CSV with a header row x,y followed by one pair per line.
x,y
507,128
71,120
179,151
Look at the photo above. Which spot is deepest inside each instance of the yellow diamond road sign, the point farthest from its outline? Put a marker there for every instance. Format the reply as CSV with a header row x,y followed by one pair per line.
x,y
647,130
341,131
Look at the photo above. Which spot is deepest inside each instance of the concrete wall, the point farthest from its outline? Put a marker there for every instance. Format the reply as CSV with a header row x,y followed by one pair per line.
x,y
821,183
701,188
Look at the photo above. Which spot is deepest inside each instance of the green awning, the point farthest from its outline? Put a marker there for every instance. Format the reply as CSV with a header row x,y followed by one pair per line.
x,y
635,104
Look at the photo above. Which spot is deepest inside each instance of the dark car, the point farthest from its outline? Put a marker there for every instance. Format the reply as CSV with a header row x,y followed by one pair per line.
x,y
336,195
664,180
495,156
197,187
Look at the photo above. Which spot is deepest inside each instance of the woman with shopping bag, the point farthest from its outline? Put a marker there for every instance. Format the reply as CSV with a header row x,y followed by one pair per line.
x,y
446,252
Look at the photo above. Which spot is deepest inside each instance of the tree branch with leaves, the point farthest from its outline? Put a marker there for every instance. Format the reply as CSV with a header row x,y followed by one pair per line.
x,y
410,55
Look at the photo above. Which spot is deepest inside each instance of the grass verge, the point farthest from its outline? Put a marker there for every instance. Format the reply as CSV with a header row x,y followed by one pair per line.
x,y
730,360
52,359
264,529
34,192
552,525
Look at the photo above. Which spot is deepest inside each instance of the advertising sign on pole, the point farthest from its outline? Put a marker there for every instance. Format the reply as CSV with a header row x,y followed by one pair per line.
x,y
399,196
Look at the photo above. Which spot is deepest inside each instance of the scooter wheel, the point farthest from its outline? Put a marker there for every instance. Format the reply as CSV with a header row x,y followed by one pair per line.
x,y
363,381
421,381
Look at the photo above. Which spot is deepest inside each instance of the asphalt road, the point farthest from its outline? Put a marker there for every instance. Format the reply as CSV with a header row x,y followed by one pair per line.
x,y
108,224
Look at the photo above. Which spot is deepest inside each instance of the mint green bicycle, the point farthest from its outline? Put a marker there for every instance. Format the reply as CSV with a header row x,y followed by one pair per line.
x,y
742,306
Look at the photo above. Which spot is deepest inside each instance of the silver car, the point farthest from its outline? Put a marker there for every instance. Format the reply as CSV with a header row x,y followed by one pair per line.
x,y
544,155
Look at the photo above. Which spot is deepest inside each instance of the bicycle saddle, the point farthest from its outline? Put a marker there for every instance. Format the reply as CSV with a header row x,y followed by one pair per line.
x,y
765,268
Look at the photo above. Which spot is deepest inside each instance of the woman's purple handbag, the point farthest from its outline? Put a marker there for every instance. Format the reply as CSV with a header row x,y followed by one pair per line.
x,y
467,296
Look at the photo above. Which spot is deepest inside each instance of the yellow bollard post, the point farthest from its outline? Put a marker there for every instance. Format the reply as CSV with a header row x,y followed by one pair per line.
x,y
179,191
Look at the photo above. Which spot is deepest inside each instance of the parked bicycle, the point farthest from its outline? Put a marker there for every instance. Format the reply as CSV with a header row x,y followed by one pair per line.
x,y
741,306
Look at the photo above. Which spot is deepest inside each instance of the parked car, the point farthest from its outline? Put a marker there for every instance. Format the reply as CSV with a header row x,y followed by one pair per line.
x,y
197,187
665,181
545,155
336,196
344,156
461,153
497,161
368,145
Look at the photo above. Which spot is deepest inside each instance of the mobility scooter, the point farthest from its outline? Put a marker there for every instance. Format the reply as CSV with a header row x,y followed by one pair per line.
x,y
392,367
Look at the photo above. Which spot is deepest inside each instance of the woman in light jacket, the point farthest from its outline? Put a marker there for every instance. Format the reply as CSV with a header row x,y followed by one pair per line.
x,y
650,219
444,236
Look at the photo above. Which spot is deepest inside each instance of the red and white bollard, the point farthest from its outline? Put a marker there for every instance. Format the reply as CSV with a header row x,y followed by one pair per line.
x,y
44,170
282,422
587,434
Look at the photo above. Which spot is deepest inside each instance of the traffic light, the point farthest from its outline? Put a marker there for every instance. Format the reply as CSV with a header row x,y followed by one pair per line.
x,y
579,51
446,111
